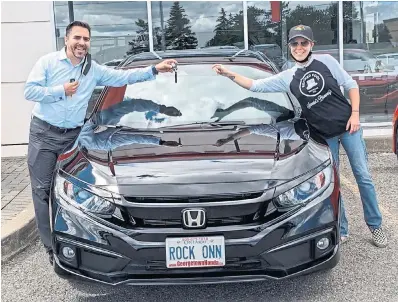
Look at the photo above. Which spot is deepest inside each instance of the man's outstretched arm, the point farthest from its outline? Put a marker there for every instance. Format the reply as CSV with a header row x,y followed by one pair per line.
x,y
117,77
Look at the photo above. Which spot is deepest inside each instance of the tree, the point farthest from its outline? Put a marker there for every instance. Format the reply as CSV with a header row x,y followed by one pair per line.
x,y
383,33
178,31
223,22
139,43
261,29
229,30
222,30
230,20
320,21
144,26
157,36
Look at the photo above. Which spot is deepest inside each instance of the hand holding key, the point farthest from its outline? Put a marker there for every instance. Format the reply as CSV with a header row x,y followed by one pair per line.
x,y
166,66
71,88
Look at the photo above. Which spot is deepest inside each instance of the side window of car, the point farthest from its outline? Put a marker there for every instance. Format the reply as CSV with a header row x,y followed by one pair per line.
x,y
93,100
351,56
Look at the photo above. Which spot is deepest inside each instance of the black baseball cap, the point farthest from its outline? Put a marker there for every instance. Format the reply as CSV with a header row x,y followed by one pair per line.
x,y
301,31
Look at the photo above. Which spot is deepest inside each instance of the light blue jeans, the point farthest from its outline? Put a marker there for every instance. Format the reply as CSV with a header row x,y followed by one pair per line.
x,y
354,146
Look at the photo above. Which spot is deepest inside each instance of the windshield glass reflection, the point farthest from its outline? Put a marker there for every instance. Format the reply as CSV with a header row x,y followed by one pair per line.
x,y
199,96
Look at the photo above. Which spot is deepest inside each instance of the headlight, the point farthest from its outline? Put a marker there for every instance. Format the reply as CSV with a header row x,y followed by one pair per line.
x,y
83,199
305,191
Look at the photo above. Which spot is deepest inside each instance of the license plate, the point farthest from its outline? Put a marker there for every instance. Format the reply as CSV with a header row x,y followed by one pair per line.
x,y
189,252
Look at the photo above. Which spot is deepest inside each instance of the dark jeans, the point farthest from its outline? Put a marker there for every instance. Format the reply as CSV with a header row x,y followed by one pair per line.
x,y
46,143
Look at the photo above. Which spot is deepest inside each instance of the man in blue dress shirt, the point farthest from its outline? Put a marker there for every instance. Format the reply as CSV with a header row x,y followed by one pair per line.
x,y
61,87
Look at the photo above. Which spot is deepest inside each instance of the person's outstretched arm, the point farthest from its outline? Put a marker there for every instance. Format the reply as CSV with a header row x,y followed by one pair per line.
x,y
275,83
119,77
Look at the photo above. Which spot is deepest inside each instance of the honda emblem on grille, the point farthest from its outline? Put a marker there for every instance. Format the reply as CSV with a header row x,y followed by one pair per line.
x,y
194,218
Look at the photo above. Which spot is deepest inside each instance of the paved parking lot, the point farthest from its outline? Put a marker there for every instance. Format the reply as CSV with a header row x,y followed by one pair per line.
x,y
364,273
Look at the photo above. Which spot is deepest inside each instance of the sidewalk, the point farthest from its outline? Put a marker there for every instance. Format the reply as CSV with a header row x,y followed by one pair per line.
x,y
15,187
18,226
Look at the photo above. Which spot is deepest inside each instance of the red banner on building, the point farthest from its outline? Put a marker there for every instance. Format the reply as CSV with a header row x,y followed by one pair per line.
x,y
275,11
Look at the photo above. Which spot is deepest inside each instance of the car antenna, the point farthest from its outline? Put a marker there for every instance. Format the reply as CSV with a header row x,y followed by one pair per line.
x,y
231,59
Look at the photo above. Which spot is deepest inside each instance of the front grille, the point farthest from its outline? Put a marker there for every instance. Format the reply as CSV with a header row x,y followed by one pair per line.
x,y
211,222
192,199
263,215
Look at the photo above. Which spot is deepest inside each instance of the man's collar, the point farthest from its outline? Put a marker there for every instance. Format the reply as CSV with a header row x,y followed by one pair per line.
x,y
62,54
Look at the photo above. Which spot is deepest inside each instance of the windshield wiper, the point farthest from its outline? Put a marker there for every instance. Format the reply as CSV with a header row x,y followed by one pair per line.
x,y
101,128
211,124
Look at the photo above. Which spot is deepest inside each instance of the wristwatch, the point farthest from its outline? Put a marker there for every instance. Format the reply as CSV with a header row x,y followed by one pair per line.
x,y
154,70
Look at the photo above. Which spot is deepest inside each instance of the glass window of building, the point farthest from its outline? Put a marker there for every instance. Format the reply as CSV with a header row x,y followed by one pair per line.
x,y
371,55
118,29
269,23
370,35
61,18
197,24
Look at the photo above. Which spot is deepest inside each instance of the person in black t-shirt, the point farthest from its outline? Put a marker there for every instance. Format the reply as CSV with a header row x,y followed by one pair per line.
x,y
315,81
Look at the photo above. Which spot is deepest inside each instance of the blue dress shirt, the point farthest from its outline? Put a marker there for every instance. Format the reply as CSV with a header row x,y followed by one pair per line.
x,y
45,87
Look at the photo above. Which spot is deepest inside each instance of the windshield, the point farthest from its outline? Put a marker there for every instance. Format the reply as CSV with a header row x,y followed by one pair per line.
x,y
198,96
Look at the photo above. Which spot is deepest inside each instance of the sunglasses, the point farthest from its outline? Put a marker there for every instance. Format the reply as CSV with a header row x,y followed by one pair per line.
x,y
303,43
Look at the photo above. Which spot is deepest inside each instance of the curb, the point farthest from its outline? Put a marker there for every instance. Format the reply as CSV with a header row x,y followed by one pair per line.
x,y
17,234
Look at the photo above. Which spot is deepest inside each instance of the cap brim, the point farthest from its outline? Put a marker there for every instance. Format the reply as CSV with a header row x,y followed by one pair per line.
x,y
302,36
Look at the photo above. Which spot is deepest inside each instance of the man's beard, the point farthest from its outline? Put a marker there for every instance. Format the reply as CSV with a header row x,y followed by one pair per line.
x,y
75,52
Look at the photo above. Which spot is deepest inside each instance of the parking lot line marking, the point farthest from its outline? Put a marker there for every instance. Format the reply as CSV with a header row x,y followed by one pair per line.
x,y
354,188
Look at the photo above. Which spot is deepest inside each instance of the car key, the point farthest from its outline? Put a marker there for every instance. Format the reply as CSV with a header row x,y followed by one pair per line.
x,y
71,81
174,66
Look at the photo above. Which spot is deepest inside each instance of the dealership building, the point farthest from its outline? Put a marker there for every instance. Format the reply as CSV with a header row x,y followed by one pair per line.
x,y
361,35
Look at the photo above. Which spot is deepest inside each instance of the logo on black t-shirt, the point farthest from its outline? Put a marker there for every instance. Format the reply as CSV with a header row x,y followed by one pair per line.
x,y
312,83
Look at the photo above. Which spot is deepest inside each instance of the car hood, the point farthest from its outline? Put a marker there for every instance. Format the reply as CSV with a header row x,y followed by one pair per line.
x,y
198,165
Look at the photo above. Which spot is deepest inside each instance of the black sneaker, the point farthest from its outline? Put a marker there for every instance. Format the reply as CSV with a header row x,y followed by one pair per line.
x,y
379,237
50,256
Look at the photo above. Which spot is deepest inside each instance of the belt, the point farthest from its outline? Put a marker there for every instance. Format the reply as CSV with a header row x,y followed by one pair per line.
x,y
55,128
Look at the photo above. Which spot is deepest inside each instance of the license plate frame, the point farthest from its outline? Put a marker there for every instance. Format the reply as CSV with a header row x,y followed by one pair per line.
x,y
208,251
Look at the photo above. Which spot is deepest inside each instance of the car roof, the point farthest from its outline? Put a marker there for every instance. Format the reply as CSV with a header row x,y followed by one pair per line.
x,y
201,55
266,45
